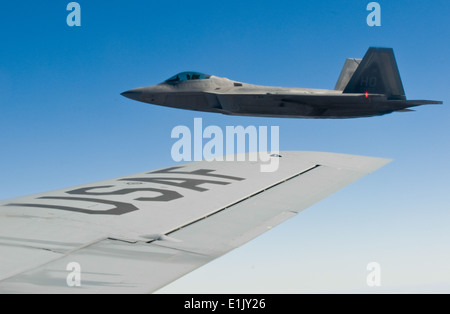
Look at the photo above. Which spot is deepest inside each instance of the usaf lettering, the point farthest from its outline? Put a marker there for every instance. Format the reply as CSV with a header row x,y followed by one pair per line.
x,y
159,178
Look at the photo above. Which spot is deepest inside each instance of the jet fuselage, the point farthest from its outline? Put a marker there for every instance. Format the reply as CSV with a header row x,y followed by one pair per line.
x,y
366,87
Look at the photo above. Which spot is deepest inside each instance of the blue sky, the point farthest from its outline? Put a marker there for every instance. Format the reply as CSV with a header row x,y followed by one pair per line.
x,y
63,123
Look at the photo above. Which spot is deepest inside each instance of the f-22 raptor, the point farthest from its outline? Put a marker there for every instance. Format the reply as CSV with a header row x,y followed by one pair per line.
x,y
366,87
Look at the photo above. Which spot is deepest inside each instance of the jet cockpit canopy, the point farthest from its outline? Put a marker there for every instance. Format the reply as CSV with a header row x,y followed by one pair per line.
x,y
187,76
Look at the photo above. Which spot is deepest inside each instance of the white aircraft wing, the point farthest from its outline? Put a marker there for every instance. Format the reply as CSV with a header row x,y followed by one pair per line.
x,y
138,233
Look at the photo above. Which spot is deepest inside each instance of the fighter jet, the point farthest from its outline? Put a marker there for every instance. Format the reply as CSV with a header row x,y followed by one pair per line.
x,y
366,87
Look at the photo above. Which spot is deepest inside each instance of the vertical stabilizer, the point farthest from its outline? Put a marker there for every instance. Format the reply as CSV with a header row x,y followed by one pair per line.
x,y
350,66
377,74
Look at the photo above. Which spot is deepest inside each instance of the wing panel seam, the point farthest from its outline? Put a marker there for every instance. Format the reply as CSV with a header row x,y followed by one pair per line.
x,y
242,200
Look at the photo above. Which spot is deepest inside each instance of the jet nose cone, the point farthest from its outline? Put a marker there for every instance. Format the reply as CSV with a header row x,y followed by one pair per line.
x,y
151,94
135,94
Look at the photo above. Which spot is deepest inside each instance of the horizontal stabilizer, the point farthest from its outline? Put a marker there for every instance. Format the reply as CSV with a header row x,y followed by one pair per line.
x,y
423,102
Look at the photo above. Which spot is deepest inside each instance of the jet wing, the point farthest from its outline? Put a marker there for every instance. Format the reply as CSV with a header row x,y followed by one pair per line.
x,y
138,233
